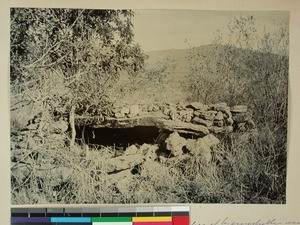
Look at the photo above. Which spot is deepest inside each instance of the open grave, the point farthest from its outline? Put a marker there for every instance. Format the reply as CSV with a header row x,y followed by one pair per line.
x,y
140,140
162,132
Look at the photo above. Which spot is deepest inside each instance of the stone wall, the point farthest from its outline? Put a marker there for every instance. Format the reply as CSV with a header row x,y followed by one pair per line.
x,y
206,122
195,117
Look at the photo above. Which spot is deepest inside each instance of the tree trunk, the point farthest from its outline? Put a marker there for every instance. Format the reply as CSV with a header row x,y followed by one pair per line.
x,y
72,126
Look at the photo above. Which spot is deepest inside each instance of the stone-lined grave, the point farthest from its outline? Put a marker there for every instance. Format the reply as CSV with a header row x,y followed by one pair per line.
x,y
195,118
190,130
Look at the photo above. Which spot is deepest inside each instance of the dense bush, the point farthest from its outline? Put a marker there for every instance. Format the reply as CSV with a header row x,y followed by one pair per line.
x,y
242,67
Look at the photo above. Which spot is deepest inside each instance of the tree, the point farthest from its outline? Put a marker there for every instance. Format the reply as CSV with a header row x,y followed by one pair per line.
x,y
245,66
67,59
266,90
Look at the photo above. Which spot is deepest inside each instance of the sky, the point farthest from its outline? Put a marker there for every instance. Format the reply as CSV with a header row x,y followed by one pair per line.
x,y
168,29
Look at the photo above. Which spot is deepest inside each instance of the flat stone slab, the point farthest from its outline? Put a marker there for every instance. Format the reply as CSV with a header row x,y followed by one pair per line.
x,y
160,121
123,162
195,118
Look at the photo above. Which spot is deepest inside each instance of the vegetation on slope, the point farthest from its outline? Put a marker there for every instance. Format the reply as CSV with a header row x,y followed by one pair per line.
x,y
58,63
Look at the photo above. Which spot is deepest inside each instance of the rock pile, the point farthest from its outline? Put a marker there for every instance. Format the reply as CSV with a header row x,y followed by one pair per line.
x,y
147,160
28,148
201,147
217,118
126,111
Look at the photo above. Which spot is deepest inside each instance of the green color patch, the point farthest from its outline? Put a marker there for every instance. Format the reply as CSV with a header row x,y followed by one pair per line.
x,y
111,219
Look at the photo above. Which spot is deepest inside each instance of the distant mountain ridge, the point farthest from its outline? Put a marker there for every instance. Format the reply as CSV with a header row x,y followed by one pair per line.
x,y
245,59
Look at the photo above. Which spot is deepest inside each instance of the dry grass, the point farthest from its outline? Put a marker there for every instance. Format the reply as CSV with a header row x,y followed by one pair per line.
x,y
246,167
251,171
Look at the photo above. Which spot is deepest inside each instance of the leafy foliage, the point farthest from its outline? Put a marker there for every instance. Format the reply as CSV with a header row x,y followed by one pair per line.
x,y
247,68
86,49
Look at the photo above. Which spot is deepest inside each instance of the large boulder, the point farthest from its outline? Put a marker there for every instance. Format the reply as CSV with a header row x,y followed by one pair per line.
x,y
175,143
202,147
149,151
199,149
153,169
123,162
210,140
131,150
117,176
124,185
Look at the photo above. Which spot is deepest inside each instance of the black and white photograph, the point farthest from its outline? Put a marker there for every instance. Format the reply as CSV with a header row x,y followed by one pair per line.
x,y
126,106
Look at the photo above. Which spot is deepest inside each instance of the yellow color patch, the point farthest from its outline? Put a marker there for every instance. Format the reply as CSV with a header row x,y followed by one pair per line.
x,y
152,219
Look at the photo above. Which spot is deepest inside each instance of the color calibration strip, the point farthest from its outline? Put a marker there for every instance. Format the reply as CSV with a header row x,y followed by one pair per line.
x,y
161,215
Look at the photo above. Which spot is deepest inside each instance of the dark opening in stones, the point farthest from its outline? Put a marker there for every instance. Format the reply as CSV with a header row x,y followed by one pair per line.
x,y
119,137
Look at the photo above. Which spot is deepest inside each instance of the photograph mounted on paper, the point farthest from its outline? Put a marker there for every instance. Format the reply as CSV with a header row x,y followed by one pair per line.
x,y
148,106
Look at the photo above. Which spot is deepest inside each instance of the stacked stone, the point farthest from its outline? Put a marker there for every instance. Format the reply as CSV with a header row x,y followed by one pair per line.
x,y
178,112
218,118
195,147
127,111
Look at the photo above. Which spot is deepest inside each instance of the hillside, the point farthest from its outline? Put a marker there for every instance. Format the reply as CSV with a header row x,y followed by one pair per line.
x,y
129,162
172,54
210,53
213,67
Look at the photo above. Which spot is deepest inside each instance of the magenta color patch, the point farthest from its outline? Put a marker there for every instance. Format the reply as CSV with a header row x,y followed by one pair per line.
x,y
152,223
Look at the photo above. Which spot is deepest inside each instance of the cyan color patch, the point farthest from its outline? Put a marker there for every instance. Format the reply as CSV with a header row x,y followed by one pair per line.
x,y
70,220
